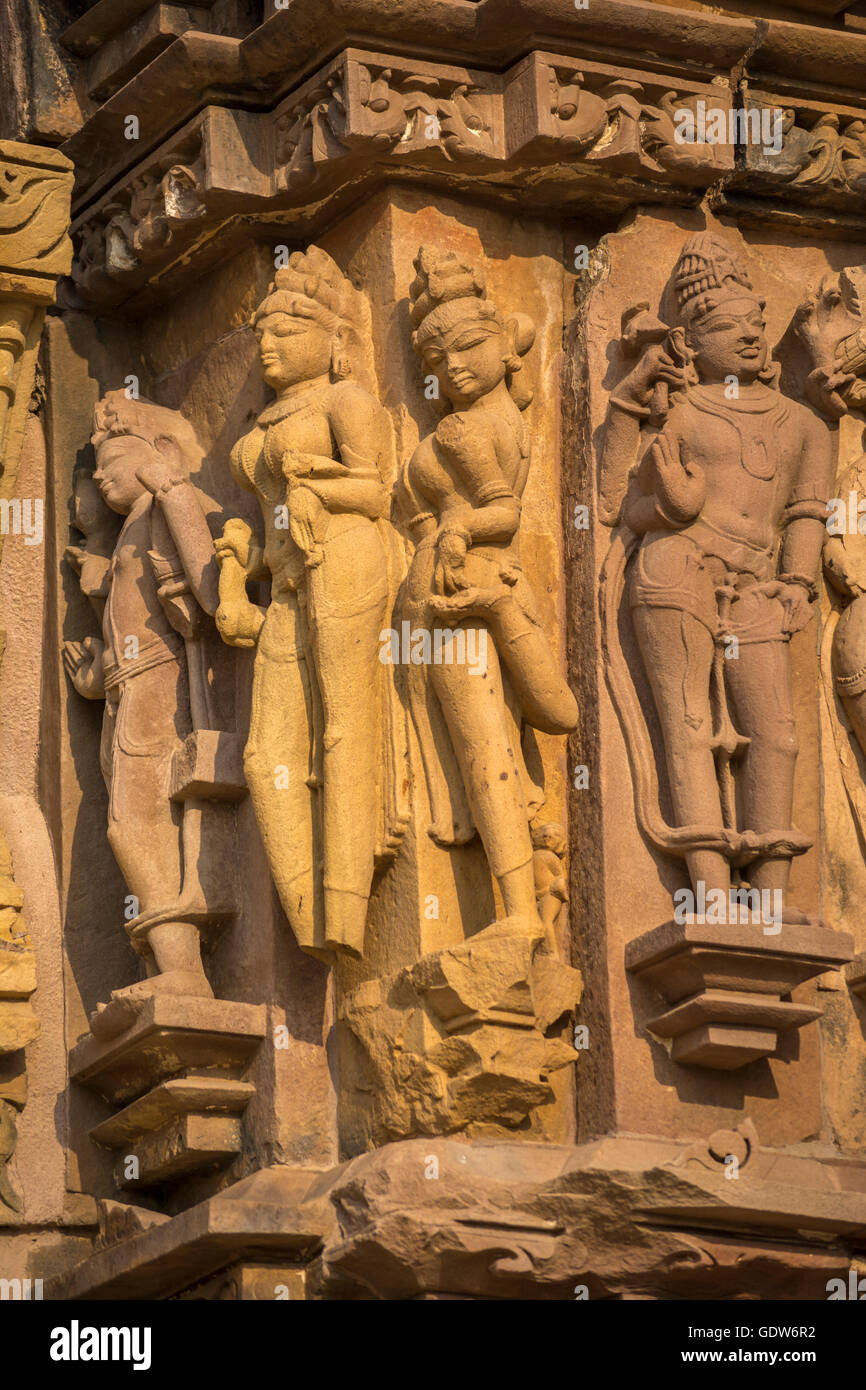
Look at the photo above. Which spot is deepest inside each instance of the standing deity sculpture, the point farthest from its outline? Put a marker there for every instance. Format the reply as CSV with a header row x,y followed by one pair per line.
x,y
461,491
151,667
323,755
719,484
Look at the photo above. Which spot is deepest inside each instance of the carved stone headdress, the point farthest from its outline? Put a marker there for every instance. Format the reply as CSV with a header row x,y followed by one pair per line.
x,y
312,286
115,414
445,291
705,275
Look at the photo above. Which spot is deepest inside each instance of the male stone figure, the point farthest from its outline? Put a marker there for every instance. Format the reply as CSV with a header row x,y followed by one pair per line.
x,y
162,580
724,512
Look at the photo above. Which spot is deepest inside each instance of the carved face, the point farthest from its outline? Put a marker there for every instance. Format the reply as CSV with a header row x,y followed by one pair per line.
x,y
730,341
468,359
117,460
292,349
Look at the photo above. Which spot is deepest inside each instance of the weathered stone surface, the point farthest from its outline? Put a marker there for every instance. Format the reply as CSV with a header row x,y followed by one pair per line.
x,y
431,563
620,1218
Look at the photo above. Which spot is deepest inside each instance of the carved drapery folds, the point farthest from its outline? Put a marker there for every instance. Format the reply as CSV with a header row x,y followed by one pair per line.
x,y
717,484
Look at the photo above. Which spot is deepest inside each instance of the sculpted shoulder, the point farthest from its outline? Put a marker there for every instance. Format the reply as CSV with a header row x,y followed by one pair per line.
x,y
807,419
347,402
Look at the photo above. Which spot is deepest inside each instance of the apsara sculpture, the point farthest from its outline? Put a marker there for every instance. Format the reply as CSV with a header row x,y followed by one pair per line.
x,y
462,492
319,759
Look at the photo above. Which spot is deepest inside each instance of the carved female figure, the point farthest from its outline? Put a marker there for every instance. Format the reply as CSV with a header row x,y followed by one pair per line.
x,y
724,515
463,488
320,759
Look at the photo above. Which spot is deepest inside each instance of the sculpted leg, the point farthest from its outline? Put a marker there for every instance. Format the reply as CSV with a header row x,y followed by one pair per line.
x,y
545,699
278,763
144,827
474,712
677,652
760,684
144,831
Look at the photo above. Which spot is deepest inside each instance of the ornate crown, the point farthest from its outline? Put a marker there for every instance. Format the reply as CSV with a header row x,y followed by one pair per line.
x,y
312,276
706,272
441,276
118,414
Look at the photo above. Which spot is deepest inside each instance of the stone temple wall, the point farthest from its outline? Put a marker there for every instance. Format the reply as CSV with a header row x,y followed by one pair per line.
x,y
433,677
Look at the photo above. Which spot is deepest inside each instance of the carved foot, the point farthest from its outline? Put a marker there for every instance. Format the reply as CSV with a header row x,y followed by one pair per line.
x,y
170,982
125,1004
469,603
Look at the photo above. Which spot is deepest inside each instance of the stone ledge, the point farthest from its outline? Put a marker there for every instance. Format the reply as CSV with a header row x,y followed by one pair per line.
x,y
170,1034
624,1216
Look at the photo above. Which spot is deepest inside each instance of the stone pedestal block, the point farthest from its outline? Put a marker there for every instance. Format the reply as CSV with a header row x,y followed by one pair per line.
x,y
176,1067
729,985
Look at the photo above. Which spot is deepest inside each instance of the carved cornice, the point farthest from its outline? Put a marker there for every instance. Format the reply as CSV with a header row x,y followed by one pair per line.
x,y
821,163
256,72
259,71
369,116
35,189
512,1220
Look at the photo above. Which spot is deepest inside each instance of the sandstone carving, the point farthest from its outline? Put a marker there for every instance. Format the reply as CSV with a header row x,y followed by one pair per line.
x,y
719,484
35,188
730,465
469,1036
825,158
151,667
433,661
829,324
461,491
376,115
322,757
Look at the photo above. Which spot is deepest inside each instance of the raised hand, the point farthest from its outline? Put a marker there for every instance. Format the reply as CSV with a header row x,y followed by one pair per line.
x,y
165,464
679,484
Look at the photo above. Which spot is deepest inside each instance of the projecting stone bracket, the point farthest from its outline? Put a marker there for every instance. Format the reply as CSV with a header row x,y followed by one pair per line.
x,y
176,1067
855,975
729,985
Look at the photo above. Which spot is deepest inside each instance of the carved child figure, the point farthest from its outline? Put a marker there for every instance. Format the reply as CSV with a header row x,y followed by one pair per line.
x,y
724,514
551,886
161,580
92,560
